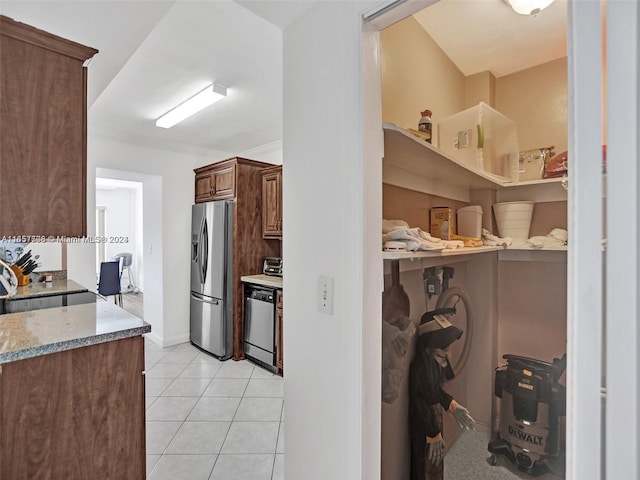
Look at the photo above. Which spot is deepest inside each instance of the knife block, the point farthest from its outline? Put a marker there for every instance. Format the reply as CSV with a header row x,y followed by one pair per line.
x,y
22,278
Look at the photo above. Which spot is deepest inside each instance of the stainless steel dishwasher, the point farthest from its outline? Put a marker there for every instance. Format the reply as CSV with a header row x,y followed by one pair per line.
x,y
259,325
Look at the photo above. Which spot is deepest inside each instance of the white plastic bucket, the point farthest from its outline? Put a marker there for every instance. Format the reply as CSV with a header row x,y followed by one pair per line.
x,y
513,219
470,221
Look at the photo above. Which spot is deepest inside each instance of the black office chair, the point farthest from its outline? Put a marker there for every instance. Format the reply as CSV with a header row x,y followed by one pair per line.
x,y
109,282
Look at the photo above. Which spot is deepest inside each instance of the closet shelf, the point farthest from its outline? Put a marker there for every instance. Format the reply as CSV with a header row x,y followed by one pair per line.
x,y
413,163
423,259
438,253
562,248
525,254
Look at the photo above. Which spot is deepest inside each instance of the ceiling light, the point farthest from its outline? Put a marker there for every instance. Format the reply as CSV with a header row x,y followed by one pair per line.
x,y
528,7
200,100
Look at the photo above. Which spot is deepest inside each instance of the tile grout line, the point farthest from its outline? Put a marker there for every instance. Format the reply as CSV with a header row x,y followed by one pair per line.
x,y
200,396
181,423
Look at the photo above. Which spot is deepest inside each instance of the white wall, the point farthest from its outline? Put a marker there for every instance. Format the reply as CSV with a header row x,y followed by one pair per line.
x,y
118,217
168,183
328,402
50,255
123,227
623,251
270,153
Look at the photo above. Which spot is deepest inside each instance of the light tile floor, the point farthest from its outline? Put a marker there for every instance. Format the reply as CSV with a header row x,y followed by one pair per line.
x,y
211,420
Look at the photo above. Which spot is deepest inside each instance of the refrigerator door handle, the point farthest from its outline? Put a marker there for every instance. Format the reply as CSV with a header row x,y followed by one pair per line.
x,y
204,258
200,298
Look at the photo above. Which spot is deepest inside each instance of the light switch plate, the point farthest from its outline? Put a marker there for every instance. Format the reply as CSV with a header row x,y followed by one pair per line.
x,y
325,295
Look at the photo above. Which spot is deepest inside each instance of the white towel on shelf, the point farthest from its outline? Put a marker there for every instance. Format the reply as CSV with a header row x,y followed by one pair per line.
x,y
390,225
417,239
491,240
555,238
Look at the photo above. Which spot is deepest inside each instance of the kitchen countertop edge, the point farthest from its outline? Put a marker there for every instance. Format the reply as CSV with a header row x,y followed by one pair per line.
x,y
43,289
264,280
65,328
38,351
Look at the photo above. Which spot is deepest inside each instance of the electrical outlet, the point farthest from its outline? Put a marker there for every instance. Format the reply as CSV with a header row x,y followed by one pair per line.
x,y
325,295
434,287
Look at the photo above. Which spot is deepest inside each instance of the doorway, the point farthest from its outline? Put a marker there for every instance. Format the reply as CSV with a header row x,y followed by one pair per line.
x,y
584,442
422,70
119,236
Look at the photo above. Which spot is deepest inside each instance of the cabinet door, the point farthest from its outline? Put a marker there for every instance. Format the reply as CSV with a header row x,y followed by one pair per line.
x,y
43,143
76,414
204,187
272,205
216,184
224,183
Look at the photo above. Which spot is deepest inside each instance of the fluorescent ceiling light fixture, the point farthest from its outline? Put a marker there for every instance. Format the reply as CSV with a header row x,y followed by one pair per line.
x,y
528,7
200,100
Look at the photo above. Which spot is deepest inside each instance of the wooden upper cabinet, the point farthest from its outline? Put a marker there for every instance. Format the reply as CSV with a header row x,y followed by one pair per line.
x,y
43,146
224,182
204,186
272,202
215,182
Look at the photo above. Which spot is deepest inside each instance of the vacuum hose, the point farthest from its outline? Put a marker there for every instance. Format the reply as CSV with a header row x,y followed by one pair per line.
x,y
448,299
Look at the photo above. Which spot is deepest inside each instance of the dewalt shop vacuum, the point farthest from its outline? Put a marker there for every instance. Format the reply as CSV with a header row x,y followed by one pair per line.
x,y
532,403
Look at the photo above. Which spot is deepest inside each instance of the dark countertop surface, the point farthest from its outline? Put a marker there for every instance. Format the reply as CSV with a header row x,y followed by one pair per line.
x,y
39,332
56,287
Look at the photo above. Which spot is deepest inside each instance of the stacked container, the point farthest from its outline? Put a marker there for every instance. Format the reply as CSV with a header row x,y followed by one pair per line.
x,y
470,221
482,138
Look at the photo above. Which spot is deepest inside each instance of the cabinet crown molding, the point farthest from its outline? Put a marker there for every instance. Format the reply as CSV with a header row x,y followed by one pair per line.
x,y
28,34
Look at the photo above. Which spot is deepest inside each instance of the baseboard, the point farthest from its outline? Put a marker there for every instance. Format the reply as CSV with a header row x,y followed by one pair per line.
x,y
154,338
167,342
175,340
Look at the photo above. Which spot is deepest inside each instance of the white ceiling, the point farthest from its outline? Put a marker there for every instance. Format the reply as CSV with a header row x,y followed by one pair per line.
x,y
155,54
481,35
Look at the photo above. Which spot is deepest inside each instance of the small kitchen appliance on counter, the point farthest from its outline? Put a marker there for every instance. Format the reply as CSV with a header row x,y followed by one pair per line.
x,y
272,266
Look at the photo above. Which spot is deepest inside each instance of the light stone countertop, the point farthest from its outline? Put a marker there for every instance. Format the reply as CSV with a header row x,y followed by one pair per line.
x,y
39,332
40,289
265,280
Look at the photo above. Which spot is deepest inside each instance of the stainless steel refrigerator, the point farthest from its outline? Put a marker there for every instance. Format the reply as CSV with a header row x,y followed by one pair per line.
x,y
212,277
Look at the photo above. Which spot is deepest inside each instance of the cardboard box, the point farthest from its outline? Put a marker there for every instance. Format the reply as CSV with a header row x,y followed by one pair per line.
x,y
441,223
